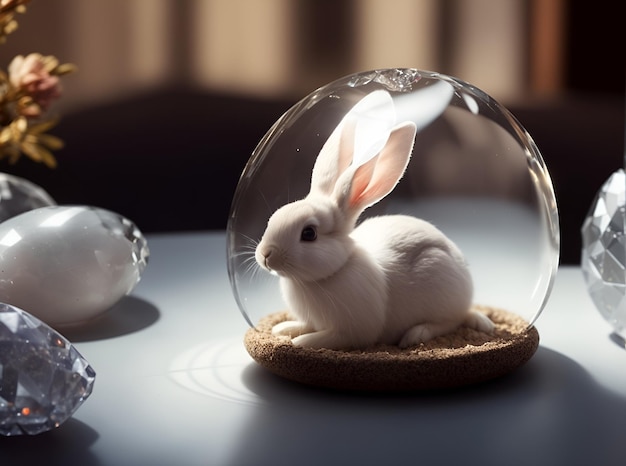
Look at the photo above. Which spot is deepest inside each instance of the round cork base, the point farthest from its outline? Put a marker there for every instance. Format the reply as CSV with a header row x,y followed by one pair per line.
x,y
461,358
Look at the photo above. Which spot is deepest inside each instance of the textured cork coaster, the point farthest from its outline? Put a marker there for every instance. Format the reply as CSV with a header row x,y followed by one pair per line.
x,y
461,358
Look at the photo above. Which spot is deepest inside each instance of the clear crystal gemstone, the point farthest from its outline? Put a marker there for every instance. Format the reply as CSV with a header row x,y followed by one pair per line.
x,y
18,195
43,378
603,258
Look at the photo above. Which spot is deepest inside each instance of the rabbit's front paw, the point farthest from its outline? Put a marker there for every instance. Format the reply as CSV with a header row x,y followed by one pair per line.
x,y
321,339
291,328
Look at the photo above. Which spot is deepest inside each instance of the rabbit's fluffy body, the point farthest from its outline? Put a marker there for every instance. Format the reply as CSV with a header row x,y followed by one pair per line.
x,y
394,279
383,283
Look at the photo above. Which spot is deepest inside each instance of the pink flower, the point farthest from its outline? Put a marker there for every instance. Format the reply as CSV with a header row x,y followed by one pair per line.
x,y
30,75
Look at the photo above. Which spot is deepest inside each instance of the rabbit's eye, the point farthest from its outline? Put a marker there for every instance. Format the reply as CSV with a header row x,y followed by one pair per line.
x,y
309,233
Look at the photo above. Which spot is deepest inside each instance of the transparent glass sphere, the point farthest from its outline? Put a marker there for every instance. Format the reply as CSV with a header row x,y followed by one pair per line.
x,y
475,173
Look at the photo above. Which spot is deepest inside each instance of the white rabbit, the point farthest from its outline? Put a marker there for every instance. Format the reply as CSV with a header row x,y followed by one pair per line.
x,y
394,279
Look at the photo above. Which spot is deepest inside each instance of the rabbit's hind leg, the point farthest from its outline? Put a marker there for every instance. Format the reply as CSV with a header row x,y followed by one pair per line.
x,y
479,321
424,332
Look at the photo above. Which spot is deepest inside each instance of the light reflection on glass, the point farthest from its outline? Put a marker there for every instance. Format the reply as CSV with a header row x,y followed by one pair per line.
x,y
11,238
61,217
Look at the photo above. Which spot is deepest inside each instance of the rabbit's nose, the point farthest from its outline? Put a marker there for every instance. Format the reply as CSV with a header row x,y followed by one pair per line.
x,y
266,253
262,255
266,257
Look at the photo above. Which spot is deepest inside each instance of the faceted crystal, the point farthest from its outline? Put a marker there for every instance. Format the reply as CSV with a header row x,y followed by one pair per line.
x,y
18,195
43,378
603,258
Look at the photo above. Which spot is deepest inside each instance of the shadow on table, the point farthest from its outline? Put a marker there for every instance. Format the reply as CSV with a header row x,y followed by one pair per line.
x,y
549,411
67,445
129,315
618,340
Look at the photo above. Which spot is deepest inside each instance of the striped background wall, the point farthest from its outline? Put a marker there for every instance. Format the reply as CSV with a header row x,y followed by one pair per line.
x,y
509,48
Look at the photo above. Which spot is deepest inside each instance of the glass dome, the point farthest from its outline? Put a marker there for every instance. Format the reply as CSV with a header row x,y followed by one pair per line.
x,y
475,173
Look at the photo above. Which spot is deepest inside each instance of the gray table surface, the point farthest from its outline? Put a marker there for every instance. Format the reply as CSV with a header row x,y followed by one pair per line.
x,y
175,386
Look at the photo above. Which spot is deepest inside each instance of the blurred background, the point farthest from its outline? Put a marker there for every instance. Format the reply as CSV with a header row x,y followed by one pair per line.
x,y
172,96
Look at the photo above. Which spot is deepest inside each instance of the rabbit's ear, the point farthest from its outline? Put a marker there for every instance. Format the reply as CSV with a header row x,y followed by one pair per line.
x,y
364,185
364,127
335,156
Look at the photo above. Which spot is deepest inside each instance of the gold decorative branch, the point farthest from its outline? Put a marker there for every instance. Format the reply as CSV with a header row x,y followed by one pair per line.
x,y
28,88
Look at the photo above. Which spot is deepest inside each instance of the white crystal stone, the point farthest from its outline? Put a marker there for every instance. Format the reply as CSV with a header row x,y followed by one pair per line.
x,y
603,258
43,378
18,195
66,264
